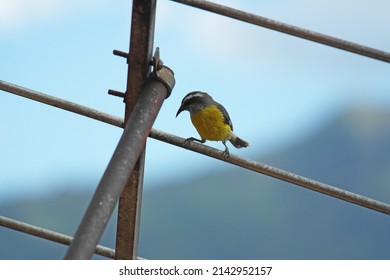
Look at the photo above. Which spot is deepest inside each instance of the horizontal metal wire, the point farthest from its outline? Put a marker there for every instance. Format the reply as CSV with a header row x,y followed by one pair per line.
x,y
215,153
288,29
50,235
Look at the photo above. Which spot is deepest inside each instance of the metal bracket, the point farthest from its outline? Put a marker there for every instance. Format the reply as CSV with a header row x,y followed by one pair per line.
x,y
162,73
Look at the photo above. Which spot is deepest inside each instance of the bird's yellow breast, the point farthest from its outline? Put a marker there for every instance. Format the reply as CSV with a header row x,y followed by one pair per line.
x,y
210,124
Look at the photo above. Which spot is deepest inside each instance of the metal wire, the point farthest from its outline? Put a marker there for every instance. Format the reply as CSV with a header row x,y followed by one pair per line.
x,y
233,159
50,235
288,29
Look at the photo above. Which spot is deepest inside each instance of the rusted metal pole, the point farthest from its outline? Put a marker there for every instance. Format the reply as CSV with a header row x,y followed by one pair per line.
x,y
49,235
288,29
208,151
139,58
60,103
119,169
274,172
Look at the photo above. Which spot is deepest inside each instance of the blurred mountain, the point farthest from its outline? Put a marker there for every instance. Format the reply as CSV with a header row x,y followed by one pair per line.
x,y
238,214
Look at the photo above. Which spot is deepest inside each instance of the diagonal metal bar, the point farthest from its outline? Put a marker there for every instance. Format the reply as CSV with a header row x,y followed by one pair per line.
x,y
119,169
59,103
274,172
50,235
139,58
237,160
288,29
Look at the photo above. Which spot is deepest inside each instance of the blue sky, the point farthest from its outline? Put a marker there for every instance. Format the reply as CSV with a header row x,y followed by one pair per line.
x,y
277,88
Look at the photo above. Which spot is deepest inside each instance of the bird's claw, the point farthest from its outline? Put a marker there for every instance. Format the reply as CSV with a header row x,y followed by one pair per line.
x,y
188,141
225,153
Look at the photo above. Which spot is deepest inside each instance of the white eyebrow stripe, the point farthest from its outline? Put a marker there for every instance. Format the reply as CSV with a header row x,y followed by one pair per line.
x,y
198,94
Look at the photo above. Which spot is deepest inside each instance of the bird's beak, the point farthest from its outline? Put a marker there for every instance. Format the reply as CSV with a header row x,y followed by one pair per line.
x,y
181,109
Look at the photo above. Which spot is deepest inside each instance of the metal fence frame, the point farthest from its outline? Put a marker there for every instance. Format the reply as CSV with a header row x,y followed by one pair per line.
x,y
144,89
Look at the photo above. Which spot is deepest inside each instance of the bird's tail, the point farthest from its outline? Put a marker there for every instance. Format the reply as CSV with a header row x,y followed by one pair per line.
x,y
238,142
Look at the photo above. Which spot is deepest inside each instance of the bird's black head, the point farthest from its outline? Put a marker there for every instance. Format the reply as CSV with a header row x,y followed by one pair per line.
x,y
194,101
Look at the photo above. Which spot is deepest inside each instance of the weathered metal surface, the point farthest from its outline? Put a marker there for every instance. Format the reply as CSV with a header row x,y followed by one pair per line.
x,y
288,29
119,170
139,59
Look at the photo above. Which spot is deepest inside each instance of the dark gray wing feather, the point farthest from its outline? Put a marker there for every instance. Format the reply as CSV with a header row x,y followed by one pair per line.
x,y
225,115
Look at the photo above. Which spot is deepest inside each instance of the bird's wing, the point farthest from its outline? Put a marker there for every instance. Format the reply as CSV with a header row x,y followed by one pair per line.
x,y
225,115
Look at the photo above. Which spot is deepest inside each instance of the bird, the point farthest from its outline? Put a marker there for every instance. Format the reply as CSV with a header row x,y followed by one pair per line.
x,y
210,119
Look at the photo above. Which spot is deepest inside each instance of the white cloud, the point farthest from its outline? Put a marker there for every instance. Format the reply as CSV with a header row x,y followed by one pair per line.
x,y
19,14
15,14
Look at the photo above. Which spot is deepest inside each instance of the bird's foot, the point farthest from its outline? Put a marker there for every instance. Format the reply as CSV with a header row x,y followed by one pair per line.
x,y
188,141
225,153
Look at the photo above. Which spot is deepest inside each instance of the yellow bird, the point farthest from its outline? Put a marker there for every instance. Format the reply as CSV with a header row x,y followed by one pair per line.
x,y
210,119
